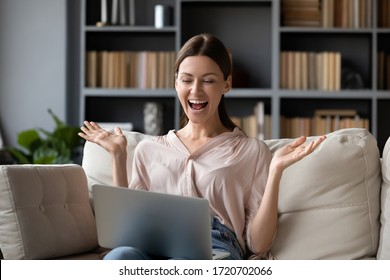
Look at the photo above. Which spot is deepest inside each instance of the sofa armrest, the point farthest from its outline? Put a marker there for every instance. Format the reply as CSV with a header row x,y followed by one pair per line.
x,y
45,212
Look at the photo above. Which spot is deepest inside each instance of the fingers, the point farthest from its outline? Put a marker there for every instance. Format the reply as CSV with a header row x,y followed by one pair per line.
x,y
92,130
92,125
311,146
118,131
298,142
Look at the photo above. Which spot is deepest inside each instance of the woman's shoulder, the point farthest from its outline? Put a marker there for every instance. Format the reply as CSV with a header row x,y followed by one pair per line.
x,y
251,141
253,146
155,141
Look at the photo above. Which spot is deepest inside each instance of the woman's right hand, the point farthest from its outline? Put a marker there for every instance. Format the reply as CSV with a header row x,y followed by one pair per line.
x,y
114,143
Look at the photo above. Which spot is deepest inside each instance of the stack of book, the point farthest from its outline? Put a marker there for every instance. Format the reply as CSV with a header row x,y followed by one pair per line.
x,y
324,121
310,70
117,12
301,13
327,13
130,69
349,13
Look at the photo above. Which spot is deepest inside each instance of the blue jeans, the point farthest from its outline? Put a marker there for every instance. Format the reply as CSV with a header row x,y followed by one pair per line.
x,y
223,239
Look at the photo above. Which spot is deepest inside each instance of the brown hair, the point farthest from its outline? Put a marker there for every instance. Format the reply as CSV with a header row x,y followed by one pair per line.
x,y
208,45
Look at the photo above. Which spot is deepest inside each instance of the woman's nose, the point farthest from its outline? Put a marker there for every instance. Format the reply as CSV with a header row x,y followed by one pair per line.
x,y
196,87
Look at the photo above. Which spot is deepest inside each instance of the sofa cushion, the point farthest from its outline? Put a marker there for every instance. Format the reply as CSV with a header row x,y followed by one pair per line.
x,y
45,212
384,243
329,202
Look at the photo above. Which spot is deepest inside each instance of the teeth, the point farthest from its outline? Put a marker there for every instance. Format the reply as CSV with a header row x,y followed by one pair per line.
x,y
197,101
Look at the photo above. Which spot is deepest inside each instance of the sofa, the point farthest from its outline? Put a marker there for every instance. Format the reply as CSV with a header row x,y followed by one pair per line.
x,y
333,204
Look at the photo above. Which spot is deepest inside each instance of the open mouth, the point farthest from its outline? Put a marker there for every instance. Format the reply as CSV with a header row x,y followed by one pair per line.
x,y
197,104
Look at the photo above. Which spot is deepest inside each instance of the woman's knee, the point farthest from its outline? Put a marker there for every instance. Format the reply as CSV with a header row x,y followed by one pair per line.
x,y
126,253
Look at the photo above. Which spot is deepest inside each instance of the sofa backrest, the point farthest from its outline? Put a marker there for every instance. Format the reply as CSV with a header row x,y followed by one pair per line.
x,y
329,203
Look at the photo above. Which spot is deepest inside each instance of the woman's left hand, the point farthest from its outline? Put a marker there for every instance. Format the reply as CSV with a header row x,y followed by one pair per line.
x,y
295,151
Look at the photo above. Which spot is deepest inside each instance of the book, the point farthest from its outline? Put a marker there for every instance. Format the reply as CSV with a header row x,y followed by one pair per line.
x,y
114,12
103,12
283,70
260,120
304,70
249,125
122,12
131,12
91,69
312,71
337,71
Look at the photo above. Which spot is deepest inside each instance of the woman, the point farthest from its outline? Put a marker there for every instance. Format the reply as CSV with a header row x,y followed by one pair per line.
x,y
208,157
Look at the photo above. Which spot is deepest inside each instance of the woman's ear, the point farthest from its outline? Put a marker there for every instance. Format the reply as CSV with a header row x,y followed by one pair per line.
x,y
176,82
228,84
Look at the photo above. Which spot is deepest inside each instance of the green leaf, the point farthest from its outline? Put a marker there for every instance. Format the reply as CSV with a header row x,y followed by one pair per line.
x,y
27,137
57,121
58,146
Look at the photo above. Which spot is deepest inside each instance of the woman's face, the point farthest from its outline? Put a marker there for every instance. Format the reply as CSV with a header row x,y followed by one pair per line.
x,y
200,86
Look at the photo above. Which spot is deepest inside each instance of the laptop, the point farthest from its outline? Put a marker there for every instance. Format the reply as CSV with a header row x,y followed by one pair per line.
x,y
163,225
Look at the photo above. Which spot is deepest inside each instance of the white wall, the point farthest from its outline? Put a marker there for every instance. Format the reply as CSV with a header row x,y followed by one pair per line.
x,y
32,65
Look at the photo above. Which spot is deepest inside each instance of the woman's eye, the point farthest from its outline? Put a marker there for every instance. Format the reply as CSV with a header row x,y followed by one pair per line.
x,y
208,81
186,81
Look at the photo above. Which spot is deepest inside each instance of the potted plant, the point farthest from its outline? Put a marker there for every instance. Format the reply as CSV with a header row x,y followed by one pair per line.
x,y
43,147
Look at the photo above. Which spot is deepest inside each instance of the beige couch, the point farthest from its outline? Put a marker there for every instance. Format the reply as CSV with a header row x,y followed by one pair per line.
x,y
334,204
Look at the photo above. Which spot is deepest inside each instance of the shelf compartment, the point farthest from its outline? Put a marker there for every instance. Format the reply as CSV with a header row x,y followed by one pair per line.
x,y
305,107
251,49
357,59
383,62
144,11
298,116
135,41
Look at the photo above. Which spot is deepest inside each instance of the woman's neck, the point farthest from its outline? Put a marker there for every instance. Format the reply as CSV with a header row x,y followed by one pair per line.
x,y
193,136
200,131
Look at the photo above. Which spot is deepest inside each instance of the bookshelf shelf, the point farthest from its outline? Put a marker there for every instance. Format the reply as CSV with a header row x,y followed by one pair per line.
x,y
130,92
150,29
255,33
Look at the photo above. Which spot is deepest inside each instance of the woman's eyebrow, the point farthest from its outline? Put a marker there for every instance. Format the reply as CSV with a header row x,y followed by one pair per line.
x,y
206,74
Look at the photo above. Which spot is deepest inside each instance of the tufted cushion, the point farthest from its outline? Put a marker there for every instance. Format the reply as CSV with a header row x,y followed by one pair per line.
x,y
384,245
329,203
45,212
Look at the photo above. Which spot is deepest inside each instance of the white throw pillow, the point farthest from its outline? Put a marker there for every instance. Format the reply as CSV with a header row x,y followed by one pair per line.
x,y
97,162
329,202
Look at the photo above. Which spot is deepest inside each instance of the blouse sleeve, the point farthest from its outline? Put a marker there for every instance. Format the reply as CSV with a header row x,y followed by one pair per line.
x,y
260,177
139,177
